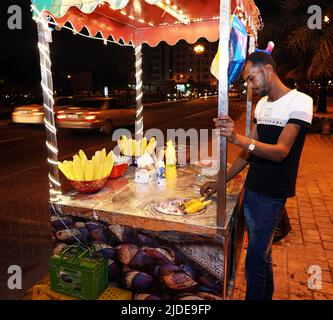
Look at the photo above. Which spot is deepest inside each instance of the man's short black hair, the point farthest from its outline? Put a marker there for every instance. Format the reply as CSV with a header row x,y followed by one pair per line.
x,y
261,58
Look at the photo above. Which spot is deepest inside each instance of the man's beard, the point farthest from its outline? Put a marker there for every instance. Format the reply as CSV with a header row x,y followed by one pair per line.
x,y
262,93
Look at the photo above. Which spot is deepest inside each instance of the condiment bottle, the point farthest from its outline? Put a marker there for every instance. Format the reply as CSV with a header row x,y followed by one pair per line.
x,y
170,161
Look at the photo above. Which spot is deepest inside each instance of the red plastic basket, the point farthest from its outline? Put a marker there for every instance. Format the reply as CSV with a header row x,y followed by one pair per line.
x,y
118,170
89,186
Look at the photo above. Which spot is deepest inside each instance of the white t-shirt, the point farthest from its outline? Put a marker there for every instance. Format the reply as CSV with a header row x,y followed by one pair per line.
x,y
293,107
268,177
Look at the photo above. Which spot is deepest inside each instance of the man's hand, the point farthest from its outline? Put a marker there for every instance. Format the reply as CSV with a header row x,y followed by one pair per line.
x,y
226,128
208,188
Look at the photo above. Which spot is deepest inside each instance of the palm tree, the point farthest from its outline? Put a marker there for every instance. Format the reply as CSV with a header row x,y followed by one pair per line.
x,y
306,53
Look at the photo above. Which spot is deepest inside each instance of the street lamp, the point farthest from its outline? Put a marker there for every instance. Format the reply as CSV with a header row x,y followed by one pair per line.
x,y
326,19
199,49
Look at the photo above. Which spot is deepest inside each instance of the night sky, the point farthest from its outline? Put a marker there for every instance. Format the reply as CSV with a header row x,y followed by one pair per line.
x,y
19,61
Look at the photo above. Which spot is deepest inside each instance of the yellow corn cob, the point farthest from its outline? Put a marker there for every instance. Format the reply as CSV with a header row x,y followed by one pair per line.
x,y
123,142
96,162
98,169
103,155
63,169
152,140
82,155
120,146
110,156
193,201
151,146
84,164
127,146
78,168
107,168
98,156
76,158
196,207
84,160
133,147
70,169
89,172
144,145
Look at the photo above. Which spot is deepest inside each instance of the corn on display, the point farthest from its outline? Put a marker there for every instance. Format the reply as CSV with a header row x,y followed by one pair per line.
x,y
131,147
196,207
82,169
192,201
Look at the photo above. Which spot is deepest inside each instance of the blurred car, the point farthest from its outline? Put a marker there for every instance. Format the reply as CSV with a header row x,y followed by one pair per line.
x,y
234,94
101,114
34,113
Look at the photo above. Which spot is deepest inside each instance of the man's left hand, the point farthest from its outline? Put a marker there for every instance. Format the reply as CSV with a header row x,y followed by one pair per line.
x,y
226,127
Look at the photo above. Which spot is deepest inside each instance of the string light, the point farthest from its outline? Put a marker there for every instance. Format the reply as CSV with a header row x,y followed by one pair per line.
x,y
52,148
44,36
54,181
50,161
172,10
50,127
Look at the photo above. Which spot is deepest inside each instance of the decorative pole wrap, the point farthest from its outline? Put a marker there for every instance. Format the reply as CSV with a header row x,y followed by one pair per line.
x,y
44,38
223,106
249,94
139,93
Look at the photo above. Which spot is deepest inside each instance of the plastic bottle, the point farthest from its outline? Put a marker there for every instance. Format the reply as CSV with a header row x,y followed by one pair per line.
x,y
170,161
160,168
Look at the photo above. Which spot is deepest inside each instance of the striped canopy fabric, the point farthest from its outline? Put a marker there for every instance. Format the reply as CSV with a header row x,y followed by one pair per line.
x,y
147,21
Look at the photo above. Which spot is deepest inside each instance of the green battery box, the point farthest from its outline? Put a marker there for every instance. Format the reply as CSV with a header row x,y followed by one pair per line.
x,y
79,273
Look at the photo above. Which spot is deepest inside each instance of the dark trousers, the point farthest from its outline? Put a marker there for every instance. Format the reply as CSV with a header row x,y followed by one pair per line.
x,y
262,216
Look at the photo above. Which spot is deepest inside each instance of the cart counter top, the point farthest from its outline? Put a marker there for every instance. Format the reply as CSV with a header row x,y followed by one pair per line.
x,y
126,202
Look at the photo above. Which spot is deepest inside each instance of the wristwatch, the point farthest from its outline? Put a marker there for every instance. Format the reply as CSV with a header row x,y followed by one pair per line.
x,y
252,145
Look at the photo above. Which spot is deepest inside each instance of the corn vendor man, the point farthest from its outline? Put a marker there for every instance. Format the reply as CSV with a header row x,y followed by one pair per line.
x,y
281,120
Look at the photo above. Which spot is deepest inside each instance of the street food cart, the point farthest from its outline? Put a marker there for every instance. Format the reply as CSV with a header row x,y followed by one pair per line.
x,y
182,256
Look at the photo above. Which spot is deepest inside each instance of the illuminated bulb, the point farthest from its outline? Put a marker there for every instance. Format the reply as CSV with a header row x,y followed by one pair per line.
x,y
174,7
131,17
199,49
151,24
326,19
181,11
123,12
167,1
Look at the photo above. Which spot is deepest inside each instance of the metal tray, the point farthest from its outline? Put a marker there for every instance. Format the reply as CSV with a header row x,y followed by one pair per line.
x,y
165,206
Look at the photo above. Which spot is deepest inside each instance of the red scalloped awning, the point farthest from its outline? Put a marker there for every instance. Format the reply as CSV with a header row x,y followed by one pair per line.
x,y
141,22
